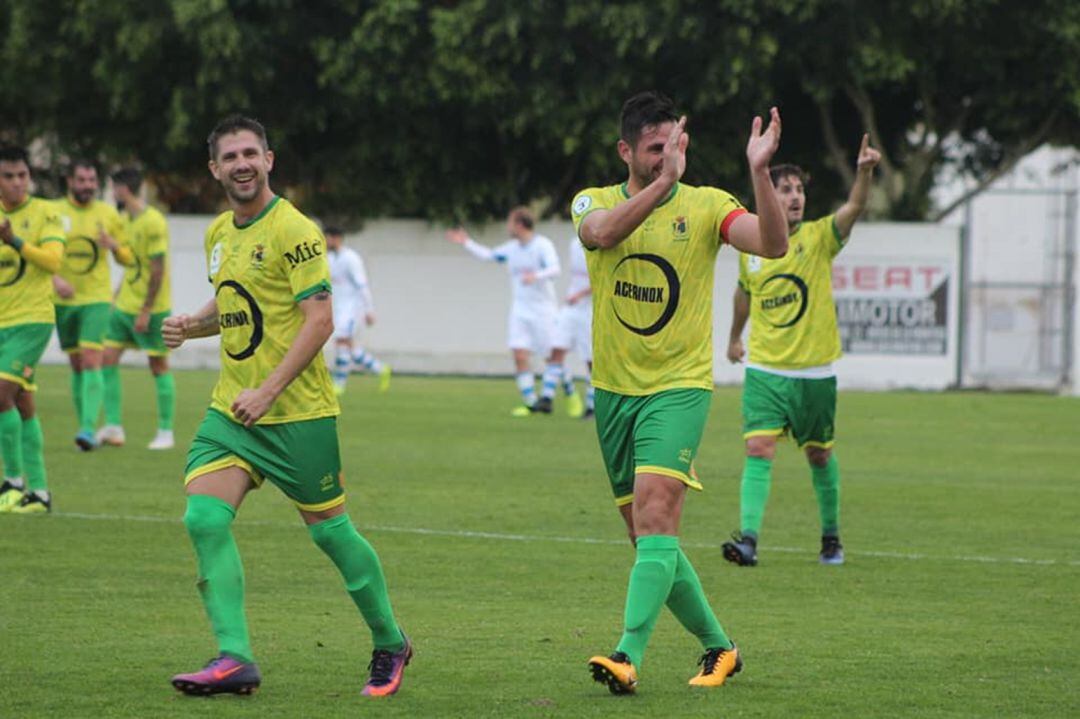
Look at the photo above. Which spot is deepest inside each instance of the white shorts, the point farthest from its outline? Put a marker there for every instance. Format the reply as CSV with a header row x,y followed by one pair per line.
x,y
573,330
345,316
531,329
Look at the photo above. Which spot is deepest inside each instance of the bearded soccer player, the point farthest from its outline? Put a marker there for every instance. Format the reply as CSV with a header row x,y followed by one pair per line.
x,y
31,250
84,290
790,385
652,244
141,306
273,413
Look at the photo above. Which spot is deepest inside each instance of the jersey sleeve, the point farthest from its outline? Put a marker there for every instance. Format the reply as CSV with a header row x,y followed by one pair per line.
x,y
831,234
587,202
726,210
501,253
303,251
157,242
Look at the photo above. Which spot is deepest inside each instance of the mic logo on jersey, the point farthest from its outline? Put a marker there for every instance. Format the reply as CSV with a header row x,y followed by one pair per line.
x,y
785,302
646,293
240,319
303,252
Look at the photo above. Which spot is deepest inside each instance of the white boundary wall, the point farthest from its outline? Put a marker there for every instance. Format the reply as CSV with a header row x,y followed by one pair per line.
x,y
441,311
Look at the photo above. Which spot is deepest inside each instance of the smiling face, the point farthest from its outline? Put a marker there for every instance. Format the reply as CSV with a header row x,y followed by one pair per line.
x,y
242,165
645,159
789,188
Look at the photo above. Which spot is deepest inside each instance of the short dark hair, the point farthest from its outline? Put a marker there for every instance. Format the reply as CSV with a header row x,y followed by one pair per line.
x,y
523,216
129,177
779,172
14,153
80,162
235,123
643,110
333,230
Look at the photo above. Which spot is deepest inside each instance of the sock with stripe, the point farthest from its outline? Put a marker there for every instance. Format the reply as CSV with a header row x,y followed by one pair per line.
x,y
526,385
552,375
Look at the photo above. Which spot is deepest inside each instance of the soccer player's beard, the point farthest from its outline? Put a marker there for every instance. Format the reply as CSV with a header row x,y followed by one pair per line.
x,y
83,197
240,198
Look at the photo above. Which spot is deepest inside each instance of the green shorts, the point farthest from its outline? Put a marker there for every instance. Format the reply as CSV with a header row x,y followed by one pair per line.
x,y
775,405
81,326
121,333
21,347
655,434
301,458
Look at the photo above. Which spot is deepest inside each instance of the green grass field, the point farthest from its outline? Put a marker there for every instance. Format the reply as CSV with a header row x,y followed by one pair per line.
x,y
507,564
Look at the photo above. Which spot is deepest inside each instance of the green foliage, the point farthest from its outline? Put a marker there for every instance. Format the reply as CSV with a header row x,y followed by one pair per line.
x,y
440,109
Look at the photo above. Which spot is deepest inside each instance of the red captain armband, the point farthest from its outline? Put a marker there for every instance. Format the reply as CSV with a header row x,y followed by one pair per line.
x,y
731,217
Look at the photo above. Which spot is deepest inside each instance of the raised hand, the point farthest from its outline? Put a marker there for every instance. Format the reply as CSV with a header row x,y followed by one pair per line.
x,y
868,156
457,235
675,152
762,145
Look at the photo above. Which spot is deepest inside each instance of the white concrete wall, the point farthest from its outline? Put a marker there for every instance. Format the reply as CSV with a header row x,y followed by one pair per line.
x,y
441,311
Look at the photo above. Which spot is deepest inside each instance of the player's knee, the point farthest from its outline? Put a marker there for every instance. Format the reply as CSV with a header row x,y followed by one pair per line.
x,y
762,446
818,456
204,519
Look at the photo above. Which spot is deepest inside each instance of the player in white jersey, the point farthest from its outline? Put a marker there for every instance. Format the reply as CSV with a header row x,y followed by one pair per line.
x,y
533,264
573,333
352,299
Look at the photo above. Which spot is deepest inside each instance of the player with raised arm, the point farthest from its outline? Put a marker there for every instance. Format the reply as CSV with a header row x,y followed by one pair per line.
x,y
352,299
790,383
273,413
31,250
533,264
84,290
573,333
142,304
652,244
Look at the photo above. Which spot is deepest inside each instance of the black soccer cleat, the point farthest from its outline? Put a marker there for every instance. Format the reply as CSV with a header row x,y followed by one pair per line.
x,y
542,406
742,550
832,552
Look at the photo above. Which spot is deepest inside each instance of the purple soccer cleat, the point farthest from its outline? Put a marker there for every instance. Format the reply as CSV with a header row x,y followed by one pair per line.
x,y
387,669
222,675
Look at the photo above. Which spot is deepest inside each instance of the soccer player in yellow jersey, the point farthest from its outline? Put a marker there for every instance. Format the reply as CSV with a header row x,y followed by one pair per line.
x,y
790,385
141,306
273,413
652,244
84,290
31,249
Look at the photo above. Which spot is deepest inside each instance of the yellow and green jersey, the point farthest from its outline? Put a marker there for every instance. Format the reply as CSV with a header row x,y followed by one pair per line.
x,y
261,271
148,237
792,314
26,289
85,265
653,293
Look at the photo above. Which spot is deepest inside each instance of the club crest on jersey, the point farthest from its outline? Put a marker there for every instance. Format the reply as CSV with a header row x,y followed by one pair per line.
x,y
681,228
215,258
258,255
581,204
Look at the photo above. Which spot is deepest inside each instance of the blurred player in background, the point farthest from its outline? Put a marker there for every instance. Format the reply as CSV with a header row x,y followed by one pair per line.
x,y
790,383
273,413
142,304
573,333
84,290
31,250
652,245
352,299
533,264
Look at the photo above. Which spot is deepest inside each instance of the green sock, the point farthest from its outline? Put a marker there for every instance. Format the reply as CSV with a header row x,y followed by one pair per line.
x,y
11,451
363,575
221,574
33,447
166,399
93,393
688,603
77,395
754,493
827,488
650,585
114,397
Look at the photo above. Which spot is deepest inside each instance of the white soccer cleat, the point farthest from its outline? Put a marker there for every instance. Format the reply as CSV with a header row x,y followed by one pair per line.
x,y
111,435
162,440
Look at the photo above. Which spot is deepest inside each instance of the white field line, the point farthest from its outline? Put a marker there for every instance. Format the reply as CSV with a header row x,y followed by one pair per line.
x,y
536,538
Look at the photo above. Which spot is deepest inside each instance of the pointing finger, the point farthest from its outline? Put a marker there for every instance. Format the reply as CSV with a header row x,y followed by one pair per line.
x,y
865,143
